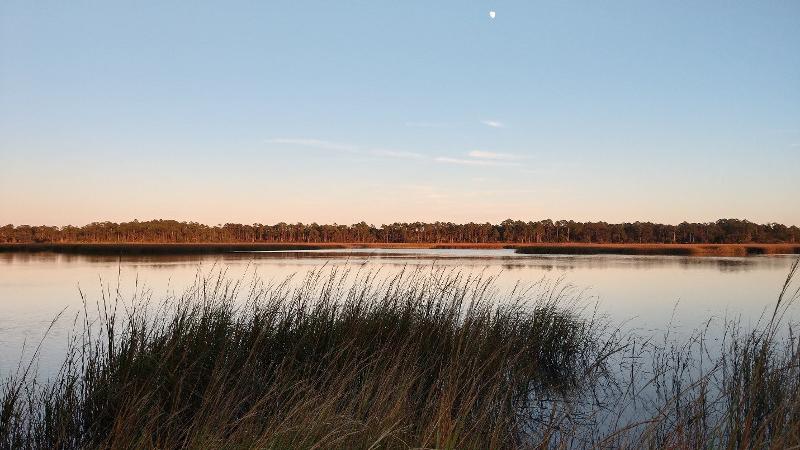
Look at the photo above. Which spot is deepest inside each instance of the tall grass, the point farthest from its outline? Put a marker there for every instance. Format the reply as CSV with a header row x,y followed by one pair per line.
x,y
418,360
737,387
747,396
351,359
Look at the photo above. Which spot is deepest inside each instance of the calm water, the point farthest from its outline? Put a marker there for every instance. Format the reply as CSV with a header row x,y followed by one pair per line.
x,y
648,293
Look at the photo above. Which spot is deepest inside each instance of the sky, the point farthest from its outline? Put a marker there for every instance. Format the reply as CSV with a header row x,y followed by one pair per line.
x,y
383,111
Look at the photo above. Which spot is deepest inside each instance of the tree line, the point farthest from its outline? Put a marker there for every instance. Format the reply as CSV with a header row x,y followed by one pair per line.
x,y
508,231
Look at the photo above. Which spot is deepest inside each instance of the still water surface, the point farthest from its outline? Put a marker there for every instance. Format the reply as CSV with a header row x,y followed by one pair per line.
x,y
647,293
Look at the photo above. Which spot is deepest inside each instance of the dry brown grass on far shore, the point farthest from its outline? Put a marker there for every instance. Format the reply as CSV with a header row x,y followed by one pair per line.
x,y
135,248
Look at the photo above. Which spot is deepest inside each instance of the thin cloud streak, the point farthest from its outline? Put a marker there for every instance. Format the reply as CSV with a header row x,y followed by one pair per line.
x,y
476,157
397,154
493,123
481,154
474,162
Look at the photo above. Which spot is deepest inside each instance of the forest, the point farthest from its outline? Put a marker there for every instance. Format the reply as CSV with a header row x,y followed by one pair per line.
x,y
723,231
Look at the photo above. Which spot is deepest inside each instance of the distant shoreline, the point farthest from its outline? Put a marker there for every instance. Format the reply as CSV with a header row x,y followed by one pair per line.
x,y
522,248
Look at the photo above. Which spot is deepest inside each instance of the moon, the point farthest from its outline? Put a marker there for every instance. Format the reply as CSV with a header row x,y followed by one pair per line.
x,y
492,14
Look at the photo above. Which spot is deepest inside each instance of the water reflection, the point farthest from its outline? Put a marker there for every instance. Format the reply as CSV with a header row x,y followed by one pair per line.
x,y
503,257
648,292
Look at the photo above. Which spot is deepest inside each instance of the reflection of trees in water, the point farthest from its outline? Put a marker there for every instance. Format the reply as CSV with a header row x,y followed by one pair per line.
x,y
546,263
727,264
544,267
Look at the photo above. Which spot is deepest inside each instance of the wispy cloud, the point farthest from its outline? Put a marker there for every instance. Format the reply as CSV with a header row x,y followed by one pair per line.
x,y
314,143
397,154
473,162
493,123
481,154
474,158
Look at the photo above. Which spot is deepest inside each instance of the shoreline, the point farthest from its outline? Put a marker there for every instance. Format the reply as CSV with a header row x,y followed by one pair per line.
x,y
521,248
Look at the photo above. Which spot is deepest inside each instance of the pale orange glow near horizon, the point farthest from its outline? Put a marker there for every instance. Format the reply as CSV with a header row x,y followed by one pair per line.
x,y
399,111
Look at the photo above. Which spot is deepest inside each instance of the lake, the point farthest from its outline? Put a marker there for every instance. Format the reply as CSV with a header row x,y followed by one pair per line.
x,y
647,293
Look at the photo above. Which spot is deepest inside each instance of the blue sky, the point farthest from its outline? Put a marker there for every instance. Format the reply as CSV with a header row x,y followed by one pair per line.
x,y
399,111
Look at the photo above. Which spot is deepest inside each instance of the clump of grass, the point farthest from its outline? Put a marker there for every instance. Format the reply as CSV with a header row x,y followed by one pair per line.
x,y
349,359
430,360
743,394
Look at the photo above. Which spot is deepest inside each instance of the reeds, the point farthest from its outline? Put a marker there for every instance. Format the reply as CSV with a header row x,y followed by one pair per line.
x,y
719,250
417,360
127,249
747,396
424,359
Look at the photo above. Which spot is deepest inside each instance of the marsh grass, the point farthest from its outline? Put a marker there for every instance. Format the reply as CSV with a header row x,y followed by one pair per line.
x,y
127,249
347,358
736,387
746,396
419,360
718,250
